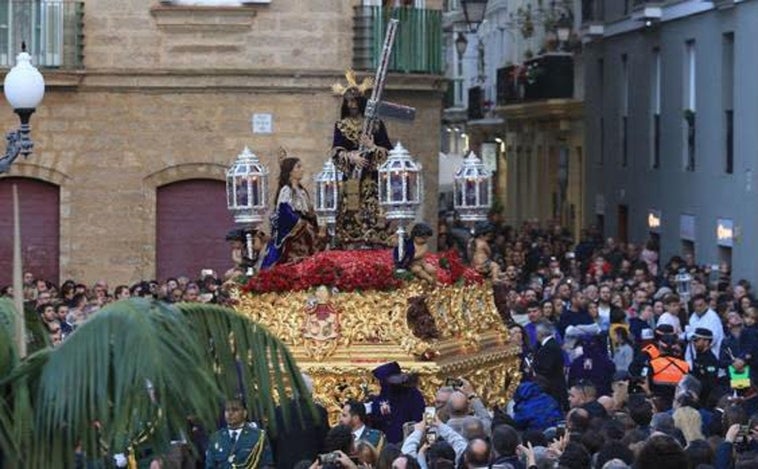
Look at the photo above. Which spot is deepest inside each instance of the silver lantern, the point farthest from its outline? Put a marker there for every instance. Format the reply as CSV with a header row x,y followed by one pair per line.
x,y
473,190
247,189
327,196
400,189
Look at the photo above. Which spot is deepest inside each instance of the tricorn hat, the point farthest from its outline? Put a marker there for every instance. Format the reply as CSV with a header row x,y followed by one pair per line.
x,y
390,373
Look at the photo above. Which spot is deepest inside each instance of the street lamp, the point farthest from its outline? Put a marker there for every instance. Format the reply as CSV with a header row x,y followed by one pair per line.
x,y
24,88
563,28
473,11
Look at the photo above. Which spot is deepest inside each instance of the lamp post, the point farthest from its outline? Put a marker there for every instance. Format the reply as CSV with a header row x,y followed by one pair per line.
x,y
473,190
563,29
400,190
247,194
24,89
473,11
327,193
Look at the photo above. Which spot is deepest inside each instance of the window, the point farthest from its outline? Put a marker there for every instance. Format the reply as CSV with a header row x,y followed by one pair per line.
x,y
655,98
727,87
624,124
689,105
48,27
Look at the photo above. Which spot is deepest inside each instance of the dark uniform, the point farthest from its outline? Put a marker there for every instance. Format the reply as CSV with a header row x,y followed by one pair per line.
x,y
250,450
707,368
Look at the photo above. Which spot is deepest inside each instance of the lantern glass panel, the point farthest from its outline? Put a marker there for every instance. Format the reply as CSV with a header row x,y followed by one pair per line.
x,y
255,190
470,192
396,186
241,190
230,192
412,194
484,196
330,199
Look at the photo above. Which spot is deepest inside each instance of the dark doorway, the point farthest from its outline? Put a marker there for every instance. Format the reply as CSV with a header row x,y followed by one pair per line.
x,y
191,223
39,211
623,224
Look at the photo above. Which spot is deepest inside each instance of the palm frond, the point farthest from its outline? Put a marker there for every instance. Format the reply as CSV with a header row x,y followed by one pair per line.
x,y
128,374
131,375
248,360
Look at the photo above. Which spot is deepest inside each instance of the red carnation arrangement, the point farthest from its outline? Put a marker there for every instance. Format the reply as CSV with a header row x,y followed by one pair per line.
x,y
354,271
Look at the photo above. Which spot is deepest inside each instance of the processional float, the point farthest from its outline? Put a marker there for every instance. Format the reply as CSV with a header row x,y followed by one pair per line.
x,y
343,313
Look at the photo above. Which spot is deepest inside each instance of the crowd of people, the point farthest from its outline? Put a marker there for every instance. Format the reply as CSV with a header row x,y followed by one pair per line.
x,y
626,361
623,364
61,309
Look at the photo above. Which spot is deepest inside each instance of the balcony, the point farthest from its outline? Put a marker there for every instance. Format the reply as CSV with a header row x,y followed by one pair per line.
x,y
647,10
549,76
593,18
475,103
51,29
418,43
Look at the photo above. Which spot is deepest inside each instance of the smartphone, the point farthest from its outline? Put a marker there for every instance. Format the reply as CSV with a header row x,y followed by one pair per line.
x,y
430,413
206,273
560,430
408,428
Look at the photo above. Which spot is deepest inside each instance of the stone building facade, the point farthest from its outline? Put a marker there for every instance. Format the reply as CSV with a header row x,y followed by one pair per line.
x,y
167,93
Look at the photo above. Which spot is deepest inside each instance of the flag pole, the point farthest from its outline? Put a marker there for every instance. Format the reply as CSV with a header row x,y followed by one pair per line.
x,y
18,288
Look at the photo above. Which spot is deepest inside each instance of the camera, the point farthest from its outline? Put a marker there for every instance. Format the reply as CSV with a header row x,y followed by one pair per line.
x,y
454,383
328,458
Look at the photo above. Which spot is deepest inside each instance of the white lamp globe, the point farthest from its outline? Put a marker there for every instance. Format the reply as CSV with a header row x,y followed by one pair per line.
x,y
24,86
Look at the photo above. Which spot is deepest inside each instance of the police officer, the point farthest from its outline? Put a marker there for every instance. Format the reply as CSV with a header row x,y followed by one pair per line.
x,y
240,444
668,368
706,367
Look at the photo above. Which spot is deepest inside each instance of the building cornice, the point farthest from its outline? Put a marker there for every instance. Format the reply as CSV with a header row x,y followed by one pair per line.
x,y
550,109
204,80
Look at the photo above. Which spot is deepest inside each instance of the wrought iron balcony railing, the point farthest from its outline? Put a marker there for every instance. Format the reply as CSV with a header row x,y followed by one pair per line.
x,y
592,11
51,29
549,76
418,43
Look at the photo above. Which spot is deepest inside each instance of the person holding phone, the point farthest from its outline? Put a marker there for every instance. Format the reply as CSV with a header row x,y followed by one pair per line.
x,y
417,443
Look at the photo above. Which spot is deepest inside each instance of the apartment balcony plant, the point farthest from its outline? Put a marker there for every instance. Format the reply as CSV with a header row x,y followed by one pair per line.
x,y
52,31
418,43
549,76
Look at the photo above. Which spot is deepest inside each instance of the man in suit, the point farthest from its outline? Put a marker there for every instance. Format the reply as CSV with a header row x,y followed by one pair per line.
x,y
240,444
354,416
548,362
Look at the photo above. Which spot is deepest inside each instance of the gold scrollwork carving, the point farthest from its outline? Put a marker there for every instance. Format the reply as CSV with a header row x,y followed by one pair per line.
x,y
472,342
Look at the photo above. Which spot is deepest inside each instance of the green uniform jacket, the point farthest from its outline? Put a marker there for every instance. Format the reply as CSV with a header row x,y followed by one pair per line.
x,y
251,451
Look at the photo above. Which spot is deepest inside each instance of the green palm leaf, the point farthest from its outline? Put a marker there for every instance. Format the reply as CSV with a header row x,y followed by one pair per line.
x,y
247,360
131,375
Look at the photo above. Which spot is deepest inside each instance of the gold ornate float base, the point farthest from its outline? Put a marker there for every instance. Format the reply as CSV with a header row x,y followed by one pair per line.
x,y
339,338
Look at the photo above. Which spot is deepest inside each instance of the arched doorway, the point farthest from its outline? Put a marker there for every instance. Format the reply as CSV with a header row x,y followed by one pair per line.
x,y
191,223
39,210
